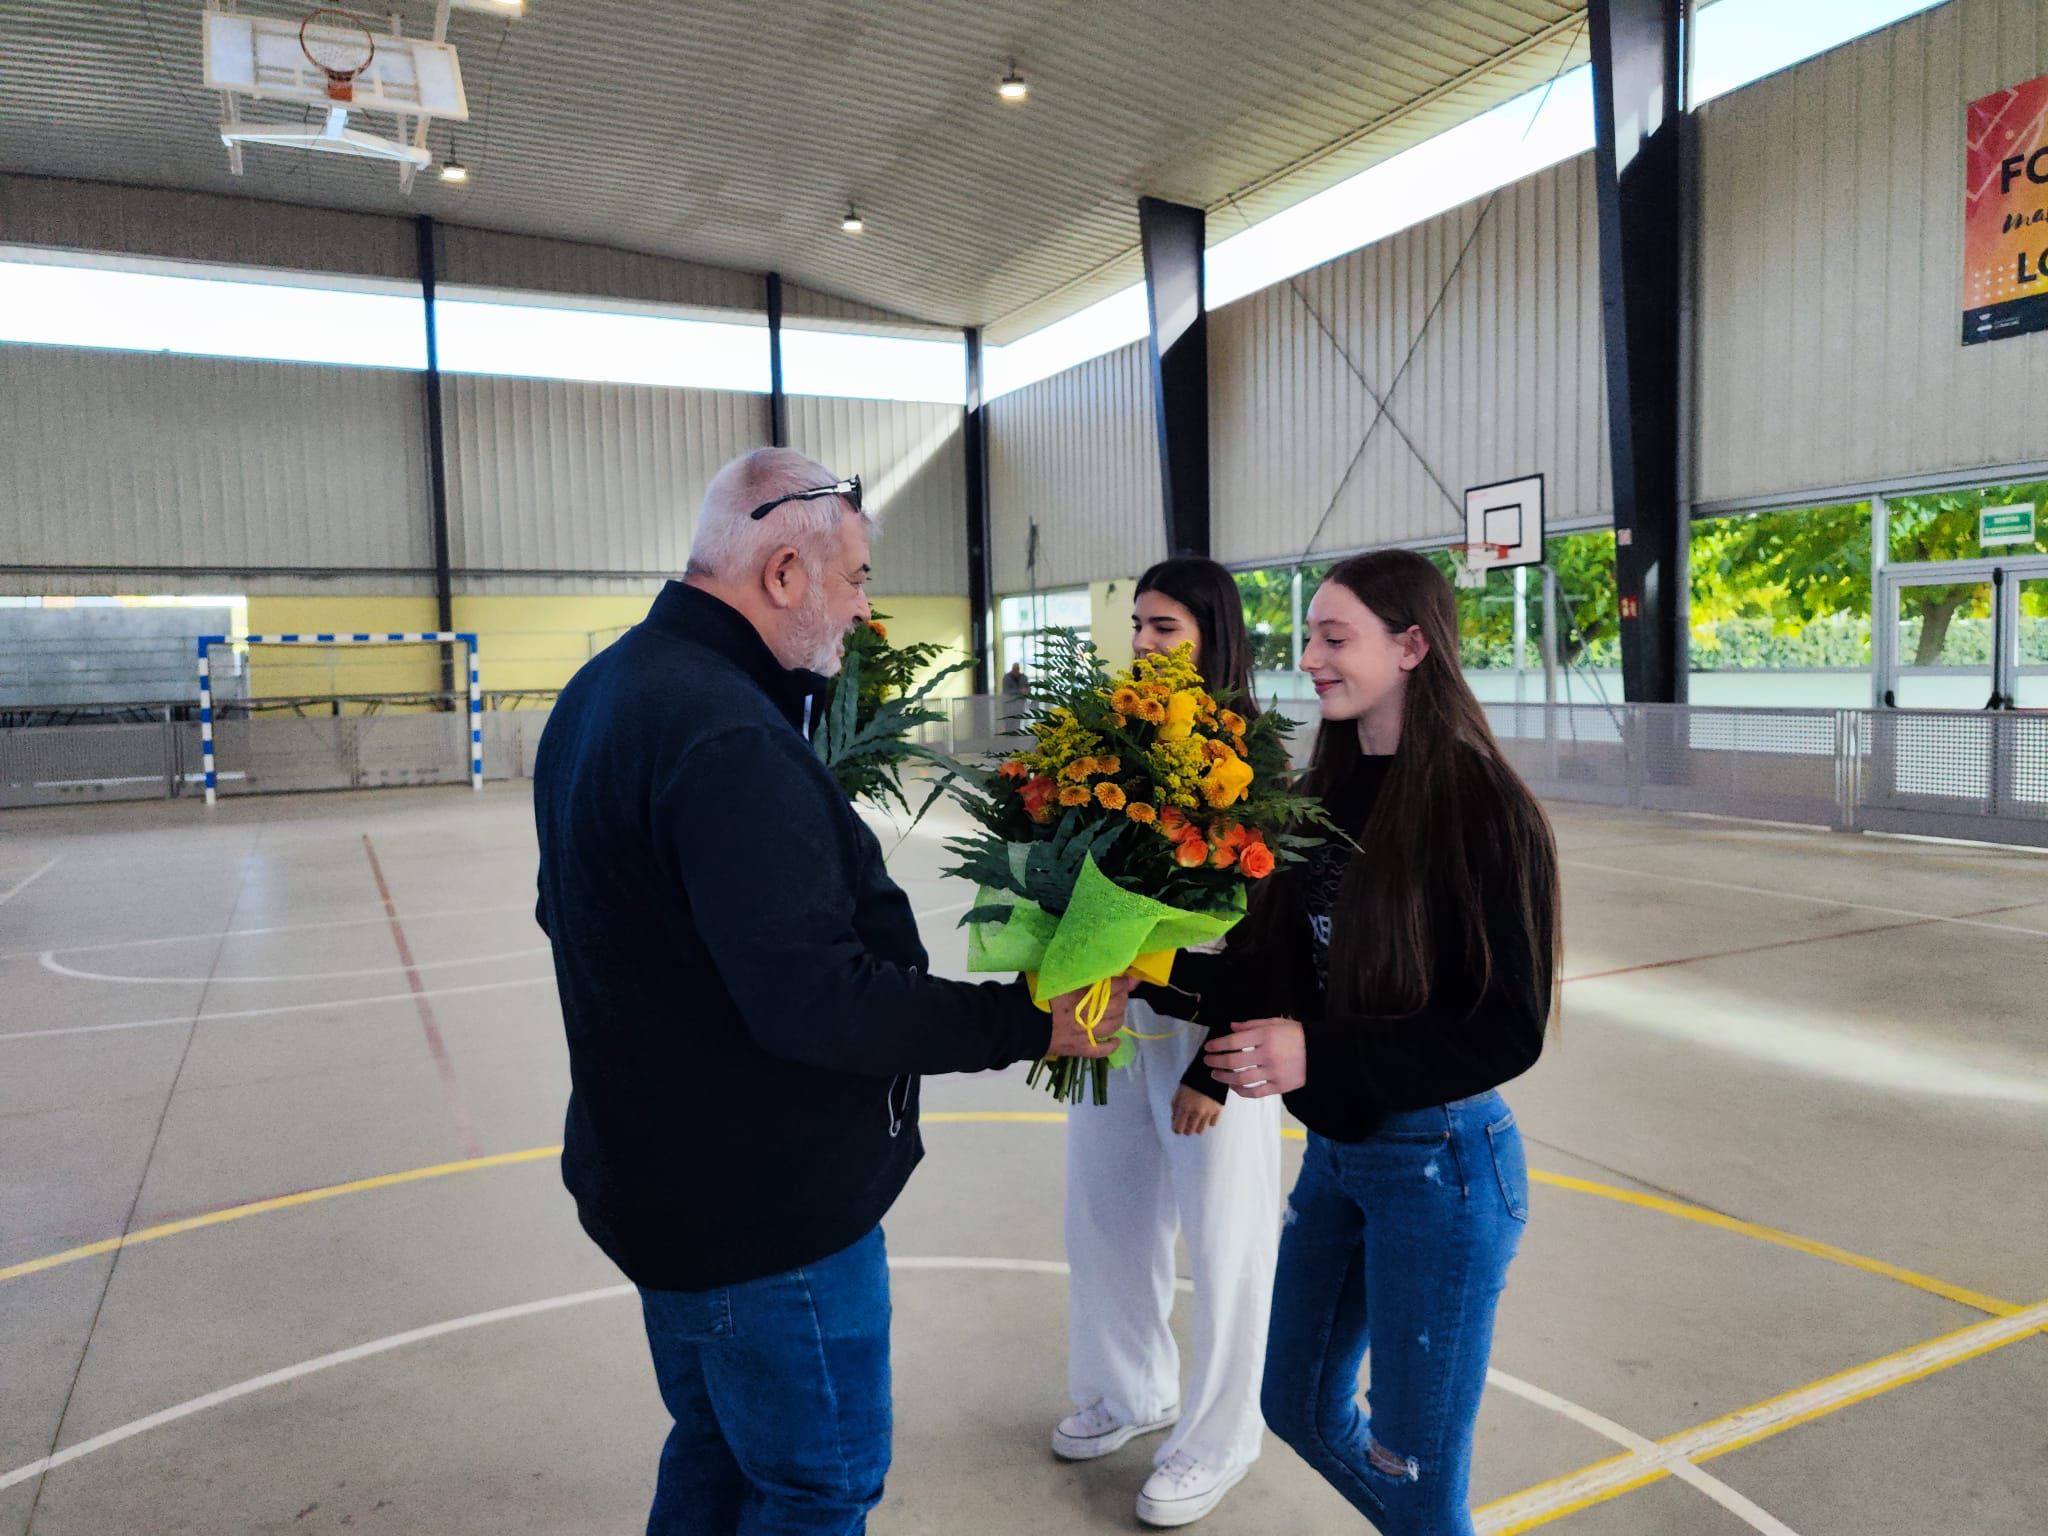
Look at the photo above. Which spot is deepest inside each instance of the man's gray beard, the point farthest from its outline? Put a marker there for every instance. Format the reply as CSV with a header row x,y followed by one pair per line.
x,y
815,644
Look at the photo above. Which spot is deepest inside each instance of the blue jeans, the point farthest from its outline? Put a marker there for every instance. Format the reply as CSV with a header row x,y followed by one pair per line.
x,y
779,1389
1400,1244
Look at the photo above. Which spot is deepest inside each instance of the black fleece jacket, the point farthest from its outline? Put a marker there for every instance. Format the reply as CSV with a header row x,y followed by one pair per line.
x,y
742,984
1465,1039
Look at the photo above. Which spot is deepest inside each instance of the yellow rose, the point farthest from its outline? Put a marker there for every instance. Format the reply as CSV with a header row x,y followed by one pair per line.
x,y
1179,724
1227,782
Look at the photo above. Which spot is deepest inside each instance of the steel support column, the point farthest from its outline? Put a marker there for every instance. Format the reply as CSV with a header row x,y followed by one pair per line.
x,y
1641,143
437,451
778,402
981,624
1173,238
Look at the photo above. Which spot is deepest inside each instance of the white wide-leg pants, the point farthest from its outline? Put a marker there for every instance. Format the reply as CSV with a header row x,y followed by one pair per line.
x,y
1131,1185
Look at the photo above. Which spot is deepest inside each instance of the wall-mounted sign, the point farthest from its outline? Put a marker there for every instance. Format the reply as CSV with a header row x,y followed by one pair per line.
x,y
2005,525
2005,214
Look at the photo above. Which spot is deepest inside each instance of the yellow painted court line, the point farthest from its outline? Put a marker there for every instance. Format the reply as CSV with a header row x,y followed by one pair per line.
x,y
1532,1507
1610,1479
279,1203
1975,1300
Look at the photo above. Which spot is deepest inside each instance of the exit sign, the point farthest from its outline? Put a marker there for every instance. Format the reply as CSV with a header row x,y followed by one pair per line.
x,y
2005,525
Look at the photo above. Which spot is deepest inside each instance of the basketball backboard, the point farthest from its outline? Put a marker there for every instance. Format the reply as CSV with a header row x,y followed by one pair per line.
x,y
250,58
1504,524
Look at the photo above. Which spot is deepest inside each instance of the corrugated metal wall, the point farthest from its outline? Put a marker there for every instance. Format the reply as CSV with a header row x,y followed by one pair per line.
x,y
1077,454
146,460
489,259
1507,380
1830,266
202,226
912,460
561,475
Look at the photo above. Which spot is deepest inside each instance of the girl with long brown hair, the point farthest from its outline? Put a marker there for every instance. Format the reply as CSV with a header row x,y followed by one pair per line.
x,y
1387,987
1165,1156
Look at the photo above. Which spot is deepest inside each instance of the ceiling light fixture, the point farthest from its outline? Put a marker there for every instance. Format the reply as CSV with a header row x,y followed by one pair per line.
x,y
1013,87
455,170
851,223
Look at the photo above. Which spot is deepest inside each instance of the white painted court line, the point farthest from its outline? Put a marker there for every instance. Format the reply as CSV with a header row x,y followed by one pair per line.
x,y
261,1013
243,933
1746,1426
1757,1518
1818,901
56,967
305,1368
30,879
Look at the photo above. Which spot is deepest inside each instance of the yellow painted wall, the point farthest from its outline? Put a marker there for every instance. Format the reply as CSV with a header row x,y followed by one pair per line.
x,y
940,620
539,642
525,642
278,671
1109,620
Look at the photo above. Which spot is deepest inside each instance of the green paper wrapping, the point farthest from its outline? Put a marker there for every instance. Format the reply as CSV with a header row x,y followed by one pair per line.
x,y
1101,935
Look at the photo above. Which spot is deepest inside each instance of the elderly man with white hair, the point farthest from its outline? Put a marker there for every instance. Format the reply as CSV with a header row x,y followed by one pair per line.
x,y
748,1010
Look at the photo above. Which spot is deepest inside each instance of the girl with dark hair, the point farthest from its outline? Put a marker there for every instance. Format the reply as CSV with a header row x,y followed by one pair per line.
x,y
1387,988
1164,1156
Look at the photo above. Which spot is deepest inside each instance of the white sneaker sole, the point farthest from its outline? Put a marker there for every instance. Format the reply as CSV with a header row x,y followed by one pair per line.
x,y
1068,1448
1187,1511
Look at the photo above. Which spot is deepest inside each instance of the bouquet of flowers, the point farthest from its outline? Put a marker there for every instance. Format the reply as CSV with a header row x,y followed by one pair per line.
x,y
874,705
1129,829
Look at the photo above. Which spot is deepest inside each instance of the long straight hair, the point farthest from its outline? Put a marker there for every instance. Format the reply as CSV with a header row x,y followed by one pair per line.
x,y
1451,804
1209,592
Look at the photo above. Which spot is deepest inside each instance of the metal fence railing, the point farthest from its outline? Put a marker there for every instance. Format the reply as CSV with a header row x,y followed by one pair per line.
x,y
1981,775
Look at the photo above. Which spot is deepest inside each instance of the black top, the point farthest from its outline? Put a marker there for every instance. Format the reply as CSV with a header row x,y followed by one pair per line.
x,y
741,982
1362,1067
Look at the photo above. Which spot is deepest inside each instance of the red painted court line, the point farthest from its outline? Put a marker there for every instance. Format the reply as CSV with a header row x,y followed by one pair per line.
x,y
465,1128
1811,938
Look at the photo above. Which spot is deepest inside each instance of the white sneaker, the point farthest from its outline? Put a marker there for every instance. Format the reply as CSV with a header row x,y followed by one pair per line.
x,y
1095,1431
1183,1490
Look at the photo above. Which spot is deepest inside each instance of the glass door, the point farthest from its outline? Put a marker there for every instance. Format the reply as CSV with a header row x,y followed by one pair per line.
x,y
2028,600
1943,651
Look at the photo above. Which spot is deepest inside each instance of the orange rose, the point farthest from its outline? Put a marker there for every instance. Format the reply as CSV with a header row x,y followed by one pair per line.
x,y
1256,861
1141,813
1193,851
1036,793
1233,836
1172,821
1224,856
1015,768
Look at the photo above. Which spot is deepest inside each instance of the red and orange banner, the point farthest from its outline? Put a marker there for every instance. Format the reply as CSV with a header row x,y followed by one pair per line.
x,y
2005,214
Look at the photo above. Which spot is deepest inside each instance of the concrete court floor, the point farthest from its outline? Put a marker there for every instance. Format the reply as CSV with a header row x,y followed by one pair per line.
x,y
1774,1040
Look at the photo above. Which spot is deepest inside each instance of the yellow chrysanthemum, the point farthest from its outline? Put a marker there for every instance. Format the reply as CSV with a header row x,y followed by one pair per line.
x,y
1153,710
1078,769
1231,721
1141,813
1073,794
1109,797
1118,722
1109,766
1124,700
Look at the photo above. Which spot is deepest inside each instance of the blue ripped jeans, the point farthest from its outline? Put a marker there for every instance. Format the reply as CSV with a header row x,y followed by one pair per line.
x,y
780,1393
1398,1244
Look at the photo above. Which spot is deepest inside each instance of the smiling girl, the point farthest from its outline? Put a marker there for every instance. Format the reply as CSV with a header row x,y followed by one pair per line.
x,y
1388,989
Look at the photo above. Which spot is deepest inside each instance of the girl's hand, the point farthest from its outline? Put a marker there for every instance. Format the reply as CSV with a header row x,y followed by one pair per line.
x,y
1261,1058
1193,1113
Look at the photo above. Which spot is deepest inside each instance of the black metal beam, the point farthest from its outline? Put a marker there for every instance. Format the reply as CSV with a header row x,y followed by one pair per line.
x,y
778,402
1641,146
1173,236
981,629
437,452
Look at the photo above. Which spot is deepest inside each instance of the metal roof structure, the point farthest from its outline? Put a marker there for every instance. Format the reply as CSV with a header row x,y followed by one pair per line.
x,y
737,134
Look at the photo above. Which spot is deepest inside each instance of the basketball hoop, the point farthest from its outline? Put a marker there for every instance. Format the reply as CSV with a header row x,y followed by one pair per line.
x,y
341,49
1475,560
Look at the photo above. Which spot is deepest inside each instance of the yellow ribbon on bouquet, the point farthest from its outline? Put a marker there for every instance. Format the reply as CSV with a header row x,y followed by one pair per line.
x,y
1155,968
